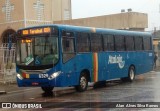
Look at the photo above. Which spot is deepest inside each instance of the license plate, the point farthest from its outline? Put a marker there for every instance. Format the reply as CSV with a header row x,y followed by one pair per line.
x,y
43,75
35,84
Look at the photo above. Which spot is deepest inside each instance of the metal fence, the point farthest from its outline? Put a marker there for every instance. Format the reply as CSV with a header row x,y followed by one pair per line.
x,y
7,63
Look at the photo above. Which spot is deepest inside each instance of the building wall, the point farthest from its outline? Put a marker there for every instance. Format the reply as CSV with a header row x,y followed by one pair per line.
x,y
14,25
15,17
50,10
24,13
35,23
38,12
129,20
156,43
16,13
61,10
138,20
45,10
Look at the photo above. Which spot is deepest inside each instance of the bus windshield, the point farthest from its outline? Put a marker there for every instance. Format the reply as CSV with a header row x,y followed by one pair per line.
x,y
37,50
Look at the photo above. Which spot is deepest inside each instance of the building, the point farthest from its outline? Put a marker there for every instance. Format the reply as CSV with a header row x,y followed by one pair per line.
x,y
156,44
17,14
124,21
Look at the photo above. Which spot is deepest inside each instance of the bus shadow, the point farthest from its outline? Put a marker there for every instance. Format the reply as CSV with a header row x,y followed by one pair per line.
x,y
47,94
109,83
70,91
59,93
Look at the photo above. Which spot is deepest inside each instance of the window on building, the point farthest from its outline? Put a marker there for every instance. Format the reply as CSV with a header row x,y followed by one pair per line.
x,y
39,7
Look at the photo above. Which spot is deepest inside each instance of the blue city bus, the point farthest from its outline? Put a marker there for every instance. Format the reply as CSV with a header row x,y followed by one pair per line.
x,y
51,56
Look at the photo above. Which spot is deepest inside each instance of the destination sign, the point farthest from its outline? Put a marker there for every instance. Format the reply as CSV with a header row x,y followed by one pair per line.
x,y
27,41
36,31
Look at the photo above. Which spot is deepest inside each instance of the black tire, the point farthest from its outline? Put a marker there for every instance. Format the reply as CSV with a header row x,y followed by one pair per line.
x,y
83,83
47,89
131,74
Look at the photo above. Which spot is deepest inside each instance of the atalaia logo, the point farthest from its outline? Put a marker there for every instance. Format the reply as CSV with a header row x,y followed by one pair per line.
x,y
116,60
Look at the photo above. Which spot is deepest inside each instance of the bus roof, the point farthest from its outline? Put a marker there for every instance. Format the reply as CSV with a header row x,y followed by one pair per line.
x,y
94,30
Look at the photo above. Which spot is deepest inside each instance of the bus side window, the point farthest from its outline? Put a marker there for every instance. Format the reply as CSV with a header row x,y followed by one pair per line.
x,y
108,41
129,43
147,43
96,42
83,43
138,43
119,43
68,45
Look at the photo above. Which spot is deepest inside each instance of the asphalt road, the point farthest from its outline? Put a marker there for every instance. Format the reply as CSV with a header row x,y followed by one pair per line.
x,y
145,88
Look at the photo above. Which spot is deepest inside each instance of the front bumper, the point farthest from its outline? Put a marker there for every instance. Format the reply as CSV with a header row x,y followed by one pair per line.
x,y
39,82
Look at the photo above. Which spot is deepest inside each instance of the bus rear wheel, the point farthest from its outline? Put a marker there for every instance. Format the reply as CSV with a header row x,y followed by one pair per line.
x,y
83,83
47,89
131,74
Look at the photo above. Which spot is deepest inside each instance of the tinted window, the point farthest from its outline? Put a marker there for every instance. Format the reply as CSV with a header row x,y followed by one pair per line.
x,y
96,42
83,44
129,43
138,43
147,43
68,45
119,43
108,41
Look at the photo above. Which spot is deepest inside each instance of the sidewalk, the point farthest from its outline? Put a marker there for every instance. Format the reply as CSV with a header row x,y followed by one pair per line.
x,y
9,87
157,69
4,88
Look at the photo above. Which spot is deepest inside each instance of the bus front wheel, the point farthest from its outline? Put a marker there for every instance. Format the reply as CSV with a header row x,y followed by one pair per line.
x,y
47,89
83,83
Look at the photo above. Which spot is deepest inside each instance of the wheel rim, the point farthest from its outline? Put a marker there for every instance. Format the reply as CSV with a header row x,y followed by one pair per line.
x,y
131,74
83,82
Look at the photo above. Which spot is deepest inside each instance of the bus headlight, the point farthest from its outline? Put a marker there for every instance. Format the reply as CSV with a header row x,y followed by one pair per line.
x,y
19,76
54,75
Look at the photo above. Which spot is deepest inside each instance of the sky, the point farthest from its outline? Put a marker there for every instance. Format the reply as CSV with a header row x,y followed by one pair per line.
x,y
91,8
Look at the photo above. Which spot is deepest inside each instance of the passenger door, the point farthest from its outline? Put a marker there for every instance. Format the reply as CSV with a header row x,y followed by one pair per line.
x,y
68,54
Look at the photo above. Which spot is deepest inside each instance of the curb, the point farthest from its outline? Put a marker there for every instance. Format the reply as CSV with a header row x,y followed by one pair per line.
x,y
3,92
